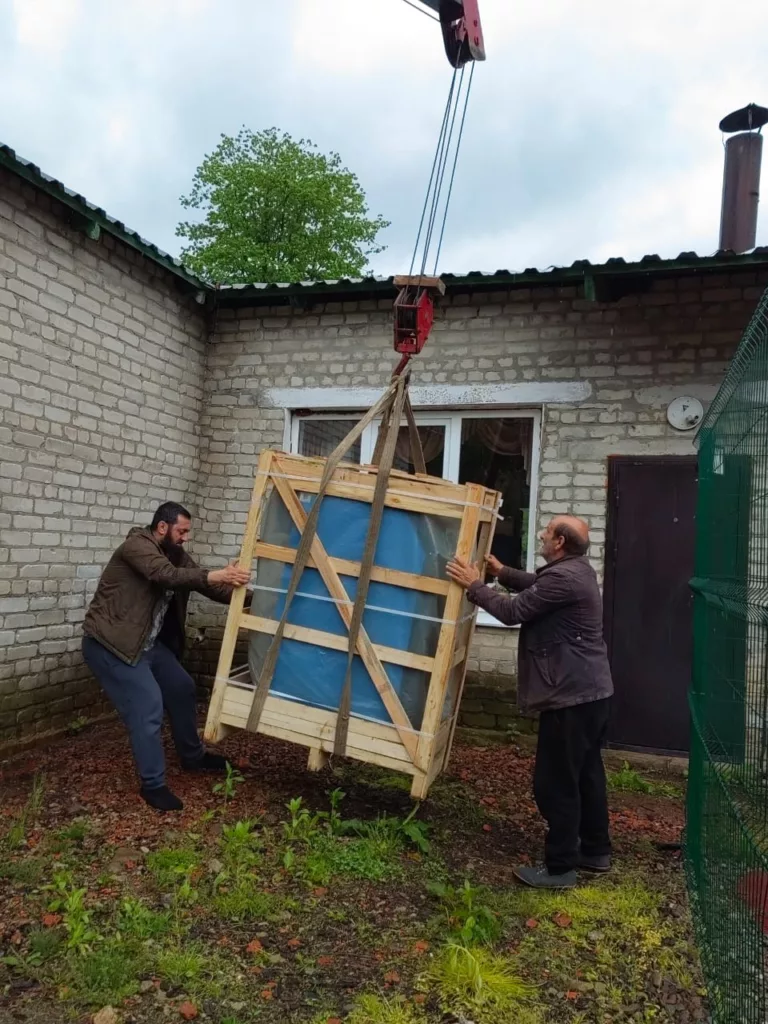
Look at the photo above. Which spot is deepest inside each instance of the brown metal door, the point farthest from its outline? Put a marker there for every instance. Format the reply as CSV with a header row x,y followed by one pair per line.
x,y
648,603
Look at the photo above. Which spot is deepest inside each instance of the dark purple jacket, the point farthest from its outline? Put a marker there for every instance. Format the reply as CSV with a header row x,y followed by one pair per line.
x,y
562,657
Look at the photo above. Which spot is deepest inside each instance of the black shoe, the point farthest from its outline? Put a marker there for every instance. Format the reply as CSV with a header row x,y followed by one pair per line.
x,y
600,864
207,763
161,798
540,878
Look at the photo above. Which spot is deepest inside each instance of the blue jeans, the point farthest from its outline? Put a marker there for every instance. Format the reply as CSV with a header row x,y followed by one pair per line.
x,y
140,693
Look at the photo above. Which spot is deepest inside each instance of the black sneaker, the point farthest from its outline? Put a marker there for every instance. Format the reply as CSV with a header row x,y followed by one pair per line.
x,y
540,878
207,763
161,798
600,864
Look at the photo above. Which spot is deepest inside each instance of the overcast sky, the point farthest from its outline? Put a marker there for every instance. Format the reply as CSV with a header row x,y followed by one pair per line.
x,y
592,129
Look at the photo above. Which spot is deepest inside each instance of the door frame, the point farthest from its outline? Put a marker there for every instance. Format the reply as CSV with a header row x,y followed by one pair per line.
x,y
615,462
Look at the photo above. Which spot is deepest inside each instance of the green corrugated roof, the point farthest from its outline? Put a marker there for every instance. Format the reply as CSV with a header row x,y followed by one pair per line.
x,y
92,214
582,272
593,276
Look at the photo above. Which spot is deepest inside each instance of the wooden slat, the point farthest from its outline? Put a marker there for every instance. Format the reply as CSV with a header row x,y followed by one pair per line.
x,y
419,281
422,781
403,483
458,656
237,602
282,706
442,738
408,483
447,640
357,752
395,577
406,490
394,499
335,641
317,759
318,727
485,540
364,646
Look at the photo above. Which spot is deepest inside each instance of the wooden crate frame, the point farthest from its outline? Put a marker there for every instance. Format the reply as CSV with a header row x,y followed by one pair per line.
x,y
396,745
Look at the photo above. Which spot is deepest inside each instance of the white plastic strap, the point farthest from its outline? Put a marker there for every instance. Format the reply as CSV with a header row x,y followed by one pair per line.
x,y
368,607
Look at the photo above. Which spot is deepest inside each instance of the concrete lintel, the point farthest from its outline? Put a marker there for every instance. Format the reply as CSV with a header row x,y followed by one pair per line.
x,y
433,396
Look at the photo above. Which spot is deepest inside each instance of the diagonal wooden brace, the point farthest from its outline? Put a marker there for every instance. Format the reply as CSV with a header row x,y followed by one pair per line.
x,y
365,648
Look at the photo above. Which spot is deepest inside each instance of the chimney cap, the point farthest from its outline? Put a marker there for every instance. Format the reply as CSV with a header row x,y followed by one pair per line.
x,y
745,120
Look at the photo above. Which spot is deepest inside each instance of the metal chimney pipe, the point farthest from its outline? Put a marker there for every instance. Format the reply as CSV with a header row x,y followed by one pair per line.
x,y
741,178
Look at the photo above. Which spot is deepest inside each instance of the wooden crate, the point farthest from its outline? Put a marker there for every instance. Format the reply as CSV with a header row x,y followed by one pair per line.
x,y
468,511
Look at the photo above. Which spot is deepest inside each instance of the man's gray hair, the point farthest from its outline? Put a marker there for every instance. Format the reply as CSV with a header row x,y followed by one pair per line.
x,y
574,543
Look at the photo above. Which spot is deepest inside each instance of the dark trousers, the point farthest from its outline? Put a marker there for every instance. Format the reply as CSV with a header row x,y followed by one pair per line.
x,y
140,693
569,783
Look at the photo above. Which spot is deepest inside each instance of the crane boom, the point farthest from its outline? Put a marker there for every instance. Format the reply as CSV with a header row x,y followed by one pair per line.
x,y
462,30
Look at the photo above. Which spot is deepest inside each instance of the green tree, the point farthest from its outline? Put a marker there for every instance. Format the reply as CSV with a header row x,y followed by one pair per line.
x,y
276,210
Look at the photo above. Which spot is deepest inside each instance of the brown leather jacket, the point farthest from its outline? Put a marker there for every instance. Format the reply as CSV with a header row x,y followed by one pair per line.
x,y
562,657
134,580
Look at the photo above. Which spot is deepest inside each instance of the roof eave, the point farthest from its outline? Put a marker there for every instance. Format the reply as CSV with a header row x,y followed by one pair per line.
x,y
94,219
591,277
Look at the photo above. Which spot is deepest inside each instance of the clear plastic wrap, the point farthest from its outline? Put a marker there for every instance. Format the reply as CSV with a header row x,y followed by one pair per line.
x,y
394,616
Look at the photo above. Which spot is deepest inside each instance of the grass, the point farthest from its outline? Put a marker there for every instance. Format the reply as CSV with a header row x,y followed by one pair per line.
x,y
609,936
466,915
475,981
323,845
16,834
240,844
374,857
106,975
135,920
182,965
45,943
245,902
75,832
628,780
169,866
377,920
27,872
374,1009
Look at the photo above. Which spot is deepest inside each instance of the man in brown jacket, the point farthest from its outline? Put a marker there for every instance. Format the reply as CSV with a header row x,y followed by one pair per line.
x,y
134,638
563,673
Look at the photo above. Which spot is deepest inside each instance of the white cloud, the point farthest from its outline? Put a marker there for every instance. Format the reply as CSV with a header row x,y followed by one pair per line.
x,y
46,26
592,129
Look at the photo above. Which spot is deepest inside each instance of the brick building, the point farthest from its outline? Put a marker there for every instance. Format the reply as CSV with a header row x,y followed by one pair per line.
x,y
125,381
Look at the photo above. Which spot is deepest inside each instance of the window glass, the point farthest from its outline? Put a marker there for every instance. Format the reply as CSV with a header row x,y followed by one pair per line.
x,y
496,452
318,438
432,444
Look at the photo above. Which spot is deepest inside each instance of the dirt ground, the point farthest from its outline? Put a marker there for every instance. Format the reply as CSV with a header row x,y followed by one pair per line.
x,y
284,896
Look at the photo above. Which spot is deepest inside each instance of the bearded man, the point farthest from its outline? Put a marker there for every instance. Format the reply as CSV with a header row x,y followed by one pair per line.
x,y
134,635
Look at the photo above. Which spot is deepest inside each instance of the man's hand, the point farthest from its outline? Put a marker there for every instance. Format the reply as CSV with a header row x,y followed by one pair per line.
x,y
493,564
231,576
462,573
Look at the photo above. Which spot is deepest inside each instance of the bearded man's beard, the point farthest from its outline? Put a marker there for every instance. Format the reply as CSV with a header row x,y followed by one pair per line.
x,y
173,552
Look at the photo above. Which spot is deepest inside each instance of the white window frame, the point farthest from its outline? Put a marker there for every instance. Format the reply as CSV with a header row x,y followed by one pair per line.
x,y
451,419
293,429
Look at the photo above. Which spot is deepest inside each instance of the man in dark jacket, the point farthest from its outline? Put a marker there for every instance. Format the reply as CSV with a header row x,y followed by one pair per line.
x,y
134,633
563,673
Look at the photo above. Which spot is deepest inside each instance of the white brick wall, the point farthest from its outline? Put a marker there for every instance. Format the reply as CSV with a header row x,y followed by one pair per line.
x,y
112,399
637,353
101,370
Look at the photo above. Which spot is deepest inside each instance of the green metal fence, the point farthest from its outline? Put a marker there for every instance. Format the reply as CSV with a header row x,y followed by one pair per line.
x,y
727,829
